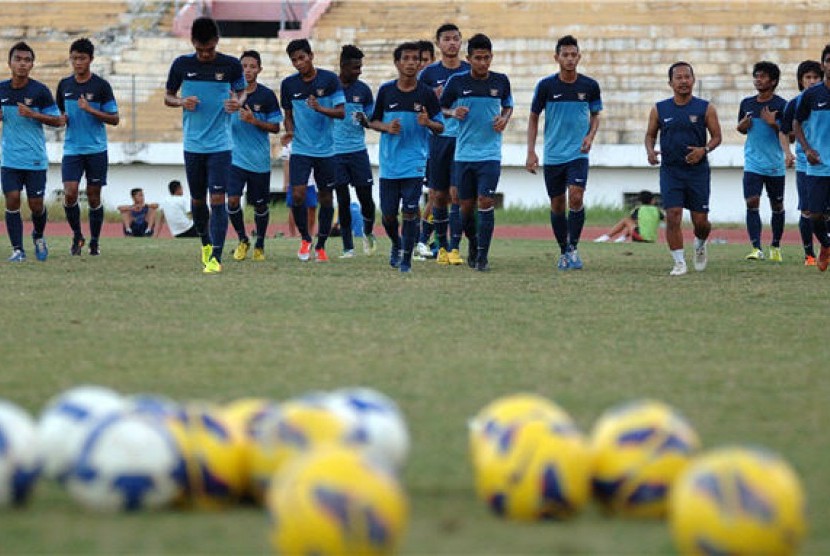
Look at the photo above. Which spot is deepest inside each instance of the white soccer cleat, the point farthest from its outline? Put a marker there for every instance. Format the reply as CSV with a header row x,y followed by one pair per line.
x,y
603,238
423,250
701,258
679,269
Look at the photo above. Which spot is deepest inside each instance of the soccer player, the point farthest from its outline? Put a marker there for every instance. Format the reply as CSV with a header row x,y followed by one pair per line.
x,y
808,74
25,106
683,122
442,148
482,103
212,88
422,251
812,129
352,159
572,104
89,105
406,111
759,118
311,99
258,116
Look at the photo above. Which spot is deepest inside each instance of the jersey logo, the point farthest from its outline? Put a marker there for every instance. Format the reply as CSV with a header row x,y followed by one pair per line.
x,y
417,106
557,96
257,107
90,96
27,101
297,95
220,76
821,104
3,99
581,96
321,92
667,120
192,74
693,119
393,105
466,91
67,94
494,92
356,98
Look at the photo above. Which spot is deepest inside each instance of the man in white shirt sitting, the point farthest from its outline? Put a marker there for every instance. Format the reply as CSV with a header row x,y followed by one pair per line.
x,y
176,211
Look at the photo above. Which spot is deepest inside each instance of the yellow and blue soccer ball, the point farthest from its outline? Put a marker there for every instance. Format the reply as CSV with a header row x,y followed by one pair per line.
x,y
534,470
639,448
20,460
243,416
738,501
336,502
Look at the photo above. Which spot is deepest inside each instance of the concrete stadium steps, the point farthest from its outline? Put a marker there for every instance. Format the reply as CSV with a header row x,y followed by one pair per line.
x,y
30,18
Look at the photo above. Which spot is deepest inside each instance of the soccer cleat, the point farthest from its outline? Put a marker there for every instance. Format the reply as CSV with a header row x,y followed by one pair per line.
x,y
305,250
621,239
41,250
482,266
454,258
755,255
564,262
422,250
823,258
213,266
775,255
320,255
370,244
395,258
405,269
417,257
701,258
78,243
574,260
241,250
18,256
603,238
443,257
207,253
347,254
149,233
809,260
259,254
94,249
679,269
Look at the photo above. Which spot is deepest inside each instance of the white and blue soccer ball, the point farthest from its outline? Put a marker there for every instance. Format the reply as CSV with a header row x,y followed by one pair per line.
x,y
65,421
127,462
19,457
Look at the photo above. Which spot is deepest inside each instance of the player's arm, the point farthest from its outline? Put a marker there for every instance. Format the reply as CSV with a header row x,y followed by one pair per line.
x,y
109,118
247,115
812,155
652,130
288,125
745,121
46,119
694,154
784,141
532,160
593,126
173,100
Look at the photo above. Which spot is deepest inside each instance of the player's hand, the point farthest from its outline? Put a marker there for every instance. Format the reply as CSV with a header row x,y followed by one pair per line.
x,y
695,154
500,123
246,114
789,159
460,113
361,119
190,103
25,111
232,104
64,119
532,162
423,118
286,138
654,157
746,122
813,157
394,127
439,90
587,143
313,103
768,115
83,103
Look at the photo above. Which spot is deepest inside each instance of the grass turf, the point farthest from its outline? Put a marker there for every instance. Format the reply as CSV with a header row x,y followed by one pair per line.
x,y
737,349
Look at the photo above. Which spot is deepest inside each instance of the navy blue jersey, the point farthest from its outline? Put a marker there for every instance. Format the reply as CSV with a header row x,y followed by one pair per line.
x,y
436,75
568,108
787,128
24,143
313,131
251,146
405,155
813,113
349,135
85,134
477,140
762,151
207,129
682,127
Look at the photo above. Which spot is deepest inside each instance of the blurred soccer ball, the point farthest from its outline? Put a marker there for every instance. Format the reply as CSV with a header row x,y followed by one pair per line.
x,y
243,416
65,421
738,501
127,462
336,501
20,461
534,469
639,448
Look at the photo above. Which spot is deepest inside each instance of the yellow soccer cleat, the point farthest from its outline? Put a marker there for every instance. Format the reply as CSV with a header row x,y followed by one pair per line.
x,y
775,255
259,254
755,255
454,258
241,250
213,266
443,257
207,252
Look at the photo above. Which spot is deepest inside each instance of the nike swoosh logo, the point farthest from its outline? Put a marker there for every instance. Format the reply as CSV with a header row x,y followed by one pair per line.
x,y
441,81
67,94
668,120
557,96
391,106
821,104
39,192
297,95
192,74
466,92
3,99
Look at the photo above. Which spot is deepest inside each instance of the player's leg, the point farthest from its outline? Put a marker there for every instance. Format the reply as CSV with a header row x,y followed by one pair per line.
x,y
362,180
390,199
311,204
439,182
259,186
71,173
488,181
775,193
697,201
819,198
427,228
753,186
673,194
342,179
12,183
324,176
196,171
238,178
289,203
466,174
299,172
805,227
35,181
577,180
556,185
410,196
96,168
218,169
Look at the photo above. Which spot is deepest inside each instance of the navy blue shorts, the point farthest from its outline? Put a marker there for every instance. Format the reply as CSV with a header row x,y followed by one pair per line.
x,y
559,176
819,193
310,196
300,167
802,184
353,169
14,179
477,178
259,184
207,171
687,187
93,166
754,185
399,193
441,163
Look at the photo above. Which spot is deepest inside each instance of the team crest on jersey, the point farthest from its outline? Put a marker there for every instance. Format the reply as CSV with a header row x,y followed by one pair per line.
x,y
417,106
581,96
356,98
89,96
693,119
494,92
220,76
27,101
320,92
257,107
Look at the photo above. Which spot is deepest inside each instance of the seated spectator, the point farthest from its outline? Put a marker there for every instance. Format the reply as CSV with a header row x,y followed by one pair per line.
x,y
139,218
176,211
640,226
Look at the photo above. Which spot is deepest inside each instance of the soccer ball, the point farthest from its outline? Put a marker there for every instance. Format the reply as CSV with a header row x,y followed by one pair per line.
x,y
127,462
20,461
639,448
534,469
212,451
153,405
741,501
65,422
336,501
243,416
385,434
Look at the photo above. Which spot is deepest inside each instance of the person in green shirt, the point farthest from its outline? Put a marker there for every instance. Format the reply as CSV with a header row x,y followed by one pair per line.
x,y
640,226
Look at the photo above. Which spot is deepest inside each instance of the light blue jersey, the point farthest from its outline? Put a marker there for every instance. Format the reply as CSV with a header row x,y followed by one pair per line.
x,y
762,151
313,131
787,128
24,143
568,108
477,140
436,75
207,129
251,145
349,135
813,112
85,134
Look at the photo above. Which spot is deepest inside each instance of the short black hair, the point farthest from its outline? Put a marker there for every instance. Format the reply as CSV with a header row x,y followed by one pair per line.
x,y
252,54
479,42
646,197
680,64
825,52
22,47
404,46
174,186
426,46
83,46
805,67
297,45
567,40
135,190
350,52
770,68
445,28
204,30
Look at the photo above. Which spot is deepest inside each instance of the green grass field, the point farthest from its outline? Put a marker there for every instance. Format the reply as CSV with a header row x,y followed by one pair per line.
x,y
738,349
